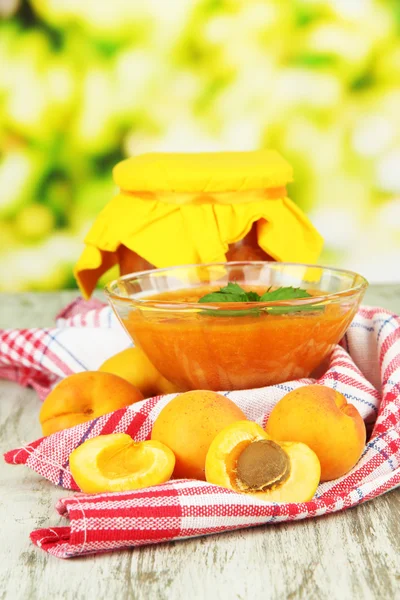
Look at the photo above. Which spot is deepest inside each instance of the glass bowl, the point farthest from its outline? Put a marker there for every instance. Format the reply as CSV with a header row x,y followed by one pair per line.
x,y
227,346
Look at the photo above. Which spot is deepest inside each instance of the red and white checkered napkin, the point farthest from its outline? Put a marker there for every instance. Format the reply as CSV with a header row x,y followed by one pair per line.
x,y
365,368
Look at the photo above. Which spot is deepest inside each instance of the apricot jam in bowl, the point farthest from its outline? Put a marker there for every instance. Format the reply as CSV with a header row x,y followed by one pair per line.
x,y
237,325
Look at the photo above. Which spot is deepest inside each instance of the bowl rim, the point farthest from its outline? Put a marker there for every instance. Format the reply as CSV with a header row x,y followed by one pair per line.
x,y
163,304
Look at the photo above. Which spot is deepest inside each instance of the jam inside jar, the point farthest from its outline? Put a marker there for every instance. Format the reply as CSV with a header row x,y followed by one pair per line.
x,y
130,262
247,248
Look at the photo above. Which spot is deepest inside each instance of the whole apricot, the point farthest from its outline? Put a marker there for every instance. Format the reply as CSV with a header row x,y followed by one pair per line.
x,y
242,457
133,365
85,396
321,418
189,423
115,463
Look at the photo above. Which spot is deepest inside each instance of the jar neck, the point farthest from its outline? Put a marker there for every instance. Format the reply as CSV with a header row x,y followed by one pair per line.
x,y
229,197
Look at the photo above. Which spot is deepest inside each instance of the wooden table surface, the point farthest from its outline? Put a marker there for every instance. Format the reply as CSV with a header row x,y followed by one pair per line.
x,y
349,555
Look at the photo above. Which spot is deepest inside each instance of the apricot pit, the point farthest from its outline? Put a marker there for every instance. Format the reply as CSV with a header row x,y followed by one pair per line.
x,y
261,465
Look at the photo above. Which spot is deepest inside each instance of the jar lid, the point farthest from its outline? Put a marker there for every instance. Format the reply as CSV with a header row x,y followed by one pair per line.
x,y
205,172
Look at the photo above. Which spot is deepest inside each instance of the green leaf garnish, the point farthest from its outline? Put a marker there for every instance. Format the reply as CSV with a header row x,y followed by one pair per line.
x,y
284,293
232,292
253,297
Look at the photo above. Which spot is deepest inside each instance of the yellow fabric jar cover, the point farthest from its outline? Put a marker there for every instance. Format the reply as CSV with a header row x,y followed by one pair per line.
x,y
177,209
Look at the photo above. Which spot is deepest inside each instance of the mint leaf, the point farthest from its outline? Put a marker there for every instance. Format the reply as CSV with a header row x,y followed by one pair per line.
x,y
284,293
253,297
233,288
288,293
223,297
230,293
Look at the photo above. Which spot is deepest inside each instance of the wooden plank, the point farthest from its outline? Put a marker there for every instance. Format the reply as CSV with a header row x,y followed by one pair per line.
x,y
350,555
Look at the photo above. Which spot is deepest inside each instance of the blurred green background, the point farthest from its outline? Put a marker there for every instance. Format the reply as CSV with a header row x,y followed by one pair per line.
x,y
84,83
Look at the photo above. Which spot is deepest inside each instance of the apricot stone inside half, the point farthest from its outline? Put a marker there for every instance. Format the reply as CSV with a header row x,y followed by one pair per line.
x,y
242,457
116,462
261,465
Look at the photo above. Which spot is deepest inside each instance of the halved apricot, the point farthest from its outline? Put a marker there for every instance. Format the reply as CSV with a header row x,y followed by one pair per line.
x,y
242,457
116,463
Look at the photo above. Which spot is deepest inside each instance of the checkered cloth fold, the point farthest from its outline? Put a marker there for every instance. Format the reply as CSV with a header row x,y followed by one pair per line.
x,y
365,368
